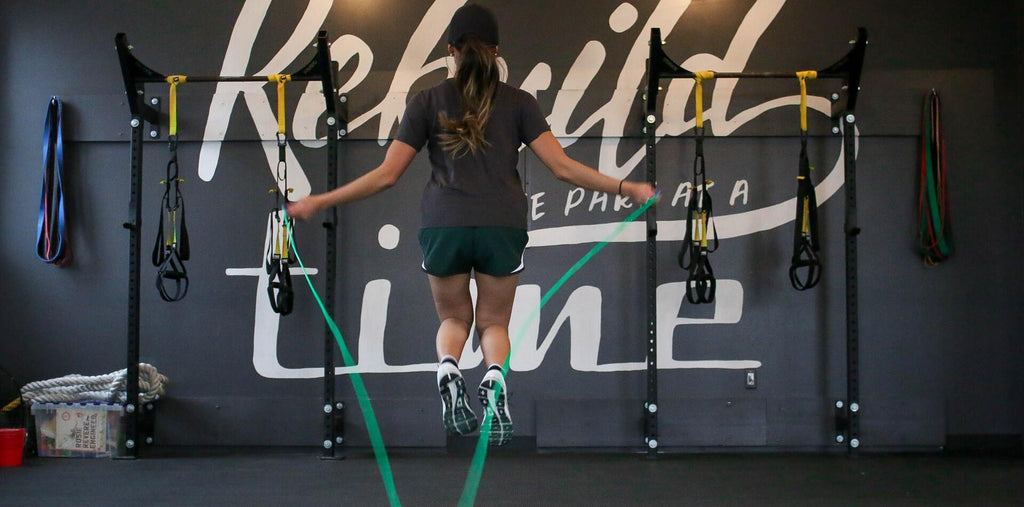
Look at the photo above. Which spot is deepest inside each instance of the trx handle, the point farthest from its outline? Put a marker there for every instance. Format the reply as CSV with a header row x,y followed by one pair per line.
x,y
282,296
278,261
693,256
172,269
52,246
805,265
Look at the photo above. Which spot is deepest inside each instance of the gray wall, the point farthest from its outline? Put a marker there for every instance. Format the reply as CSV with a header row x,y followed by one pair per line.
x,y
940,347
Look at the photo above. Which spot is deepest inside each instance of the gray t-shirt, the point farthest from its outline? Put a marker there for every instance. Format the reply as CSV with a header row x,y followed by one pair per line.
x,y
473,190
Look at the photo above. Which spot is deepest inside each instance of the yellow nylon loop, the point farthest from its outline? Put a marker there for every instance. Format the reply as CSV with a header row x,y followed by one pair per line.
x,y
174,81
803,76
704,229
287,245
700,77
277,239
280,79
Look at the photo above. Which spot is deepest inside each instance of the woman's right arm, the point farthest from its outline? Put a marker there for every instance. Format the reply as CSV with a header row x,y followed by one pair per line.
x,y
381,178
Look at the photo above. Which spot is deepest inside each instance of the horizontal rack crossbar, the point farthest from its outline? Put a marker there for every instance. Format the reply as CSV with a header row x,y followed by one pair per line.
x,y
220,79
762,75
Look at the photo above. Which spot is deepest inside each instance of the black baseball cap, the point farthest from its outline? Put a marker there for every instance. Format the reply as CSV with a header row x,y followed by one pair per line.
x,y
473,19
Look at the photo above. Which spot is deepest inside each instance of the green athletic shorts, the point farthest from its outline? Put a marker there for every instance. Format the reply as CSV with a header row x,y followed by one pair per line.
x,y
495,251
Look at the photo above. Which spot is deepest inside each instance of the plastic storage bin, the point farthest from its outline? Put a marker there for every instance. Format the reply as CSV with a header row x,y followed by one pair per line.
x,y
78,430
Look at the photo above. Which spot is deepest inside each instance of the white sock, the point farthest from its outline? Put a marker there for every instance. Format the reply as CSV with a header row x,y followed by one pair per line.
x,y
447,368
495,373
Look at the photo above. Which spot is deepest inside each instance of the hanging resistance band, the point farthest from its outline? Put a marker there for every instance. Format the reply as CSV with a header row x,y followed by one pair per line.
x,y
935,237
279,289
52,244
693,256
805,267
172,249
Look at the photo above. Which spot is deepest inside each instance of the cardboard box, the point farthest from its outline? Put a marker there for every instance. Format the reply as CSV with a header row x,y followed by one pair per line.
x,y
78,430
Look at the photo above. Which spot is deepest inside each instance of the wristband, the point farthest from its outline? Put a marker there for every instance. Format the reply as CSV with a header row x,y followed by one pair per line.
x,y
620,186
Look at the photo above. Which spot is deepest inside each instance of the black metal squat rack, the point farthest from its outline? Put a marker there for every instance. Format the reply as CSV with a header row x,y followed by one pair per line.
x,y
848,70
136,76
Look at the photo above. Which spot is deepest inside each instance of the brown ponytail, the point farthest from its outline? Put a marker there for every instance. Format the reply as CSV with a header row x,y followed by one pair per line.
x,y
477,79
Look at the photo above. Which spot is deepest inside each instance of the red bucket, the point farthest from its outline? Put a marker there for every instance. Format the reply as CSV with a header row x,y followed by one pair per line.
x,y
12,446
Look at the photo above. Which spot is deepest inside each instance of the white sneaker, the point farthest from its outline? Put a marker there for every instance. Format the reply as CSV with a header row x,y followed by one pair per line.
x,y
494,397
456,415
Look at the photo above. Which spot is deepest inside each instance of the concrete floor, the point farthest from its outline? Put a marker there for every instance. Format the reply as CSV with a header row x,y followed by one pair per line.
x,y
288,476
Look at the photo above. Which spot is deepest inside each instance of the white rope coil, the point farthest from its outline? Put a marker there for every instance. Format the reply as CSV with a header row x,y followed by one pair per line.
x,y
109,388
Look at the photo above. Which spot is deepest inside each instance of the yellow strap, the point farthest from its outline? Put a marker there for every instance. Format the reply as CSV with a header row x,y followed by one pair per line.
x,y
280,79
704,229
287,246
803,76
174,81
699,77
277,239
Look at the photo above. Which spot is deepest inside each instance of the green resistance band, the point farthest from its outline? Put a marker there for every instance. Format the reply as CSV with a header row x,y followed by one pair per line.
x,y
476,469
357,381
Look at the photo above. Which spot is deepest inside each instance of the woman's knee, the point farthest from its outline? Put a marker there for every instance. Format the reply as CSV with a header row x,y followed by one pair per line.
x,y
461,324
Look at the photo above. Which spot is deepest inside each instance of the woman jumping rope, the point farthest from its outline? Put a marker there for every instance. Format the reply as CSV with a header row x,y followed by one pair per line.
x,y
473,208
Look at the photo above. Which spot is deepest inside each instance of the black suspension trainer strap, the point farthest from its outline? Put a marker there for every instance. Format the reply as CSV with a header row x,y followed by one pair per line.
x,y
278,260
52,244
805,266
172,247
693,256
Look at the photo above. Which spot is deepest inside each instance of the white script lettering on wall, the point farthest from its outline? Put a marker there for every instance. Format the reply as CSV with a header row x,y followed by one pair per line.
x,y
582,308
